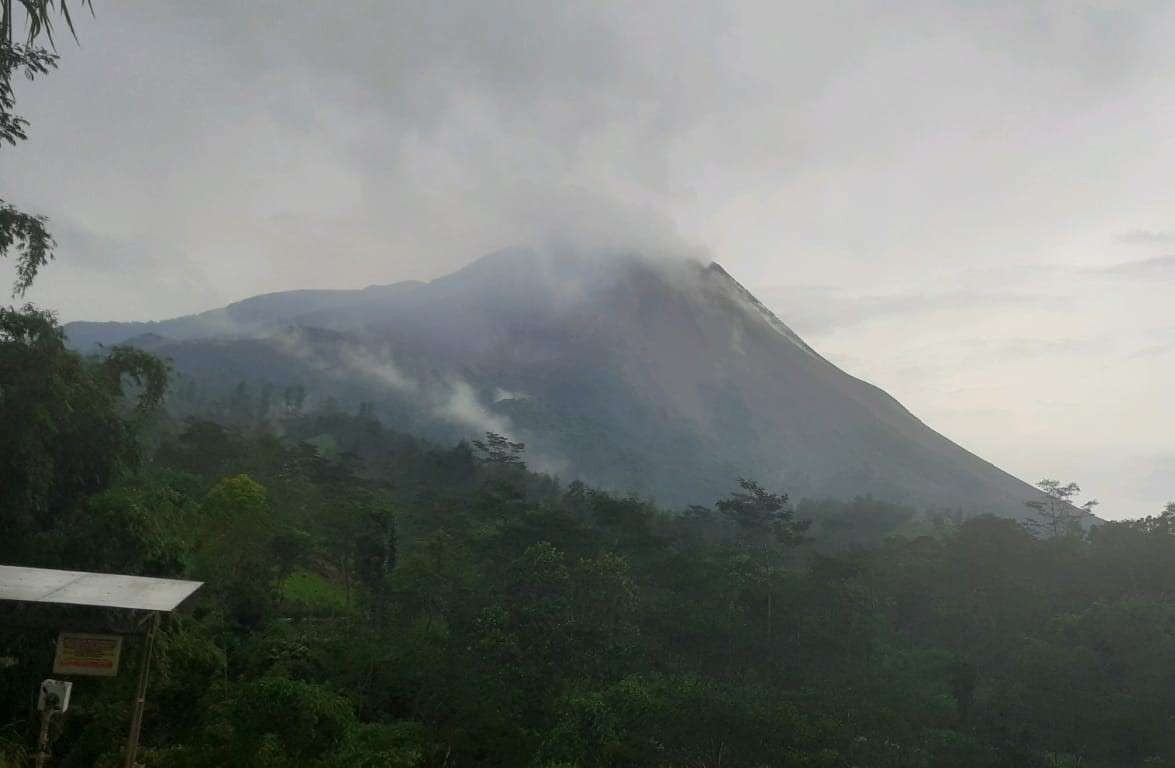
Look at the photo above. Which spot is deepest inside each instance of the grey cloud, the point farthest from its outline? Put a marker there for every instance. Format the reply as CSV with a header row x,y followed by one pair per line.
x,y
940,361
286,145
819,309
1162,342
1161,267
90,250
1157,237
1011,348
1156,350
1159,480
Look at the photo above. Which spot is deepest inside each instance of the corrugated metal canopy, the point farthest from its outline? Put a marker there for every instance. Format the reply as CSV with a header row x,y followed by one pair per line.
x,y
104,590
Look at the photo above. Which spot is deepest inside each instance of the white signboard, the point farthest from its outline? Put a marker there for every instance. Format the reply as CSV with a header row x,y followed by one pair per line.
x,y
82,654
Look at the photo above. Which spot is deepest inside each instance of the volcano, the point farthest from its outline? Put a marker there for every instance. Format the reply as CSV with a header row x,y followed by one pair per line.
x,y
661,377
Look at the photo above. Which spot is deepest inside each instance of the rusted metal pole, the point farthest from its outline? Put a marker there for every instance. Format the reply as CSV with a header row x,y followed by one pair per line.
x,y
132,741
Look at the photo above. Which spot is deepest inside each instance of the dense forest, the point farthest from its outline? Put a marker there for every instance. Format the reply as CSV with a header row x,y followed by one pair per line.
x,y
374,600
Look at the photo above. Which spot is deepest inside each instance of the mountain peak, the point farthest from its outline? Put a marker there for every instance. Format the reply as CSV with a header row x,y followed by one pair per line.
x,y
716,271
664,377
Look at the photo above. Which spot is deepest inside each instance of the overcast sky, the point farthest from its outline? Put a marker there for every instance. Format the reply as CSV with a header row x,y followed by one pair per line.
x,y
970,204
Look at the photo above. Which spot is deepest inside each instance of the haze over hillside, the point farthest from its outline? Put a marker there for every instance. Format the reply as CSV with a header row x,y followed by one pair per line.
x,y
661,377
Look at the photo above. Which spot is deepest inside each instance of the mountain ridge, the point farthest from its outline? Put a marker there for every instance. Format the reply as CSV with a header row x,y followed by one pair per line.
x,y
661,377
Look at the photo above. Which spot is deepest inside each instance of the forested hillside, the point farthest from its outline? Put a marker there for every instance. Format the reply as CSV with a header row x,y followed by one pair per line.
x,y
375,600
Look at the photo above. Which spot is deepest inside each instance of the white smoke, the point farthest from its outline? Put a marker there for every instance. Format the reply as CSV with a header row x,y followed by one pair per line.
x,y
464,408
454,400
501,395
382,369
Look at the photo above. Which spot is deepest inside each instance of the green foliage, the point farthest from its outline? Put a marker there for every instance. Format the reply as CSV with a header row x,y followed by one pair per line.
x,y
761,516
313,594
39,17
394,604
376,745
67,432
242,553
143,527
288,722
28,60
498,449
22,233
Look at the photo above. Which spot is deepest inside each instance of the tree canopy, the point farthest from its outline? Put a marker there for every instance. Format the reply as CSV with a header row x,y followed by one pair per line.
x,y
387,602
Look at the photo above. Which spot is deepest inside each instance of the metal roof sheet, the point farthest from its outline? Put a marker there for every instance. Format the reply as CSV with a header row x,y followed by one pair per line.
x,y
104,590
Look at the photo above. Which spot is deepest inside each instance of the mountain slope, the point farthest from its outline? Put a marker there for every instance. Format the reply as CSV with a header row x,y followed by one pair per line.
x,y
661,377
251,316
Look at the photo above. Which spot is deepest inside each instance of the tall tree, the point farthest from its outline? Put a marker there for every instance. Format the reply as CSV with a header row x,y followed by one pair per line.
x,y
67,432
1057,514
764,521
761,517
499,450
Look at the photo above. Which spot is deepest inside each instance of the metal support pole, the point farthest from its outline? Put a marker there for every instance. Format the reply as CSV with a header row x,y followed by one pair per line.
x,y
132,741
43,739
